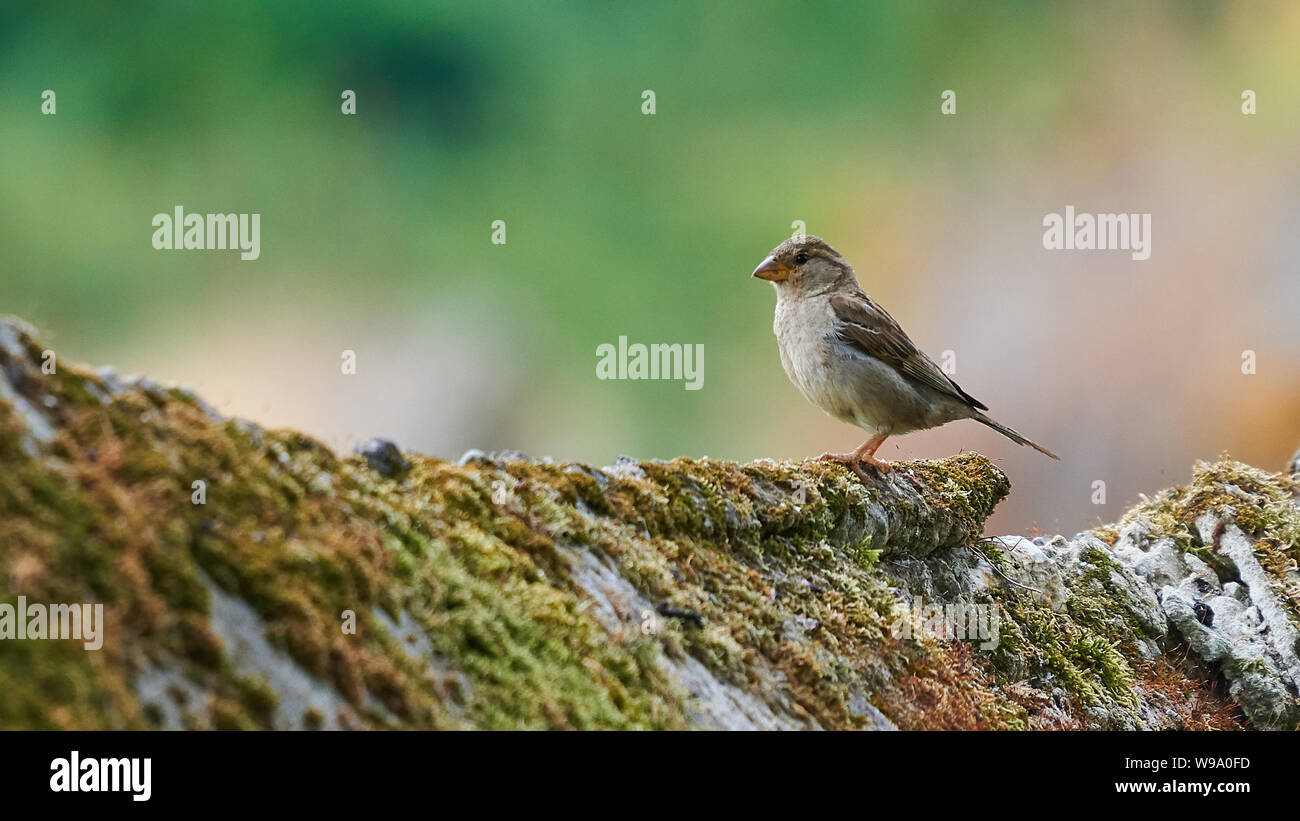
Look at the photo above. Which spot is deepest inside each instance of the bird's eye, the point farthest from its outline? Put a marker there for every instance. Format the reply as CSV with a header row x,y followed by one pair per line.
x,y
800,259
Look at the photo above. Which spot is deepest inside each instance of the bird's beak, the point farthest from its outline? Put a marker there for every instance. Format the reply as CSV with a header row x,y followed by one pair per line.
x,y
772,271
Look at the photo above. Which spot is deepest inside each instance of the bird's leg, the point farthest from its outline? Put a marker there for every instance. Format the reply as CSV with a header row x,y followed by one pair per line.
x,y
866,452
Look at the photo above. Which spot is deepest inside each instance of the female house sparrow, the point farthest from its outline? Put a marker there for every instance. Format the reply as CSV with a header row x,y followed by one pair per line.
x,y
852,360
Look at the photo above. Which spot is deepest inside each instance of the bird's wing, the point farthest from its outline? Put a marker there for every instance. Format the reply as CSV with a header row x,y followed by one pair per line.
x,y
863,324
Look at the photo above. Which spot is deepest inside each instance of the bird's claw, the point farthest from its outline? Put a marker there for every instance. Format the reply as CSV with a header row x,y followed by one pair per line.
x,y
854,463
878,464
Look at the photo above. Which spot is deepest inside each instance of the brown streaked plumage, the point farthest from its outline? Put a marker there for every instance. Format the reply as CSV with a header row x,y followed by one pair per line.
x,y
849,357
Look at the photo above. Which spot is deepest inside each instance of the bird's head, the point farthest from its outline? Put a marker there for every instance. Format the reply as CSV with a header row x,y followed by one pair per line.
x,y
804,265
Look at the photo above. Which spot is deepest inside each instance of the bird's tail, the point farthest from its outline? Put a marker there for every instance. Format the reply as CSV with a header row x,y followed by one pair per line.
x,y
1012,435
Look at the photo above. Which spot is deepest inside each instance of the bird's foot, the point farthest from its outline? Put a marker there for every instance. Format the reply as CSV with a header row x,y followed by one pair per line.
x,y
854,463
879,464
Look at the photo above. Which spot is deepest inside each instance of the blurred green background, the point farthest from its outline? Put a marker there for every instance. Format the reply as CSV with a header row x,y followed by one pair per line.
x,y
376,227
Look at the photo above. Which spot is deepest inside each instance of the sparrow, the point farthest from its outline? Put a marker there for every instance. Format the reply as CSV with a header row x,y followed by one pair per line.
x,y
850,358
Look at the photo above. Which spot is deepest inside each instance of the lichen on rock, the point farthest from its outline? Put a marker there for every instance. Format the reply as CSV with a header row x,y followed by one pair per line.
x,y
506,592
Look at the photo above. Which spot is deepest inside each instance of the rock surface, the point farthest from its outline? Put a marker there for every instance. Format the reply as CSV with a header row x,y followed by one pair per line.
x,y
252,578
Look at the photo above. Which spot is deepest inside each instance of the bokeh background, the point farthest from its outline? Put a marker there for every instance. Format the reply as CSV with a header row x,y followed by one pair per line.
x,y
376,227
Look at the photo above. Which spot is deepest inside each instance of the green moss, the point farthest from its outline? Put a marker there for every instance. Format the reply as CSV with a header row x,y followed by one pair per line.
x,y
51,685
1095,602
1067,648
966,484
1086,646
481,557
778,573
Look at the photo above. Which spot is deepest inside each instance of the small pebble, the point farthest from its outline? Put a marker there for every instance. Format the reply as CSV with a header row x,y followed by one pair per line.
x,y
383,457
